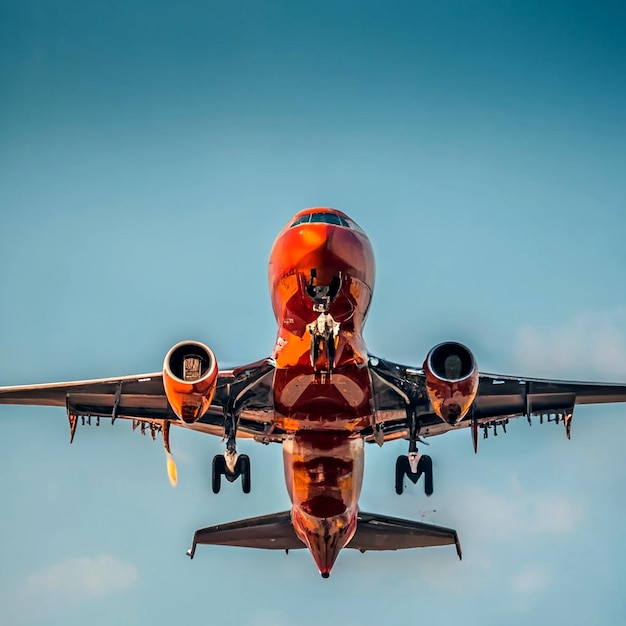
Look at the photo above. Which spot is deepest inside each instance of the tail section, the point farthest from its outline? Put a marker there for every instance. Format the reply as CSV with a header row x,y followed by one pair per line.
x,y
374,532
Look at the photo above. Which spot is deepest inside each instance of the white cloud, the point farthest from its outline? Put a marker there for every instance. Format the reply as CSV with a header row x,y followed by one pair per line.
x,y
72,581
267,618
91,577
487,519
591,344
517,513
531,580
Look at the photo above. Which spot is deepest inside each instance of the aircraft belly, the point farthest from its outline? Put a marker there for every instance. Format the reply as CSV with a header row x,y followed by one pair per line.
x,y
323,475
306,401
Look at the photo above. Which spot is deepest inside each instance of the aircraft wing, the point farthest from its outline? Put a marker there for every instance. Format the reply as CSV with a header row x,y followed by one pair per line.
x,y
499,399
245,390
374,532
510,396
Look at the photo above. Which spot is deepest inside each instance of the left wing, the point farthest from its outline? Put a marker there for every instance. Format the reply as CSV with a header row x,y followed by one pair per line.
x,y
400,393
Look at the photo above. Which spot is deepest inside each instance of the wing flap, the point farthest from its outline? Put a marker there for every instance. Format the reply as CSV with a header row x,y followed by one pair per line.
x,y
130,405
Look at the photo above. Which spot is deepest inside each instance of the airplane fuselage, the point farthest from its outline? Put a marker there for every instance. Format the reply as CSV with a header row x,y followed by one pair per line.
x,y
321,276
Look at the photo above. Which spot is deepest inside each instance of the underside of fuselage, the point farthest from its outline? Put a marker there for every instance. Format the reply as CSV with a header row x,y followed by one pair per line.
x,y
321,275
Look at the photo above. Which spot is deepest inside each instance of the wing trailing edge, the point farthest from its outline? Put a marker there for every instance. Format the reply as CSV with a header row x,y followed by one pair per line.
x,y
374,532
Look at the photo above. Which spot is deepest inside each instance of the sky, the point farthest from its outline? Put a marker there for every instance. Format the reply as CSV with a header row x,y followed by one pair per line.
x,y
149,154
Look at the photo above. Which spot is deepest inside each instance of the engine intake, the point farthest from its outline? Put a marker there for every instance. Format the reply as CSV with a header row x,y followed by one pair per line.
x,y
451,380
190,377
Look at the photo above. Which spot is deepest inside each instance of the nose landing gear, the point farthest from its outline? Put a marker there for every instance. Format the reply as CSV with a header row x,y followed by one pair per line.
x,y
324,330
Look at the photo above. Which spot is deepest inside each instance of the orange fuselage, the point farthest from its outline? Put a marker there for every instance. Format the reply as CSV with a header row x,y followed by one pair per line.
x,y
321,276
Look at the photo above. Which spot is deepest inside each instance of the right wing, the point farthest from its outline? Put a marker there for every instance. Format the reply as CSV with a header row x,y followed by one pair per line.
x,y
244,391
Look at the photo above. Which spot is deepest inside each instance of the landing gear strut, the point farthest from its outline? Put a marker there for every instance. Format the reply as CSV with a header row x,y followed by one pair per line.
x,y
230,464
324,330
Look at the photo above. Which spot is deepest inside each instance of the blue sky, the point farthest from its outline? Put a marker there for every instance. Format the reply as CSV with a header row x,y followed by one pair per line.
x,y
149,154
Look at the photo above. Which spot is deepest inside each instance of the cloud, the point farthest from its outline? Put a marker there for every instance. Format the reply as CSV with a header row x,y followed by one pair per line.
x,y
488,519
268,618
531,580
590,344
90,577
69,582
517,513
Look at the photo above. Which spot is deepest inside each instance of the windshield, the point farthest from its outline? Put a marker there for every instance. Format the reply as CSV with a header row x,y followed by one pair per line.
x,y
323,218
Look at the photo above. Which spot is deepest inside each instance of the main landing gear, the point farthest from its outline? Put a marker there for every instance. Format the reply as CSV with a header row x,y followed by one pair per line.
x,y
231,466
414,464
223,465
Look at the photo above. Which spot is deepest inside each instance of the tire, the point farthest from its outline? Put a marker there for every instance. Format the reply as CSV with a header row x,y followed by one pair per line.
x,y
402,463
426,468
243,466
218,469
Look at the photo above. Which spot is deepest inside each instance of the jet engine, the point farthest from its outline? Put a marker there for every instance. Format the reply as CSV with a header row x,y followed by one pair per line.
x,y
190,377
451,380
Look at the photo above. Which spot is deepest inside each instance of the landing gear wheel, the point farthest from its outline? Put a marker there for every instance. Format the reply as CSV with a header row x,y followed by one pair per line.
x,y
402,465
243,468
219,466
425,466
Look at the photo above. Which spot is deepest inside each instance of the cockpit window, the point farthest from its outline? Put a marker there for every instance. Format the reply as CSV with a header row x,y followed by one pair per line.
x,y
326,218
305,219
354,226
323,218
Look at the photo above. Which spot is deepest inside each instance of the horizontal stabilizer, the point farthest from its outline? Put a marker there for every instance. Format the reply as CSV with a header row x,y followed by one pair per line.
x,y
374,532
271,532
379,532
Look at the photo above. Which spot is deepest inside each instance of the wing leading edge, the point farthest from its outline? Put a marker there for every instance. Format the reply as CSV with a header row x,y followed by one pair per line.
x,y
374,532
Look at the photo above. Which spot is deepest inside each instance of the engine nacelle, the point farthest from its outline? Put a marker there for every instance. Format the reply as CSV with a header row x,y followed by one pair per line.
x,y
451,380
190,377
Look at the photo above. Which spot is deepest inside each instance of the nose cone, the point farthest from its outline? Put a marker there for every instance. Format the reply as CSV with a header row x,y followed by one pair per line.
x,y
322,238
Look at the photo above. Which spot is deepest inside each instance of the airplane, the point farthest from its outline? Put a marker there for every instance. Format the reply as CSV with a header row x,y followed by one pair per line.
x,y
321,395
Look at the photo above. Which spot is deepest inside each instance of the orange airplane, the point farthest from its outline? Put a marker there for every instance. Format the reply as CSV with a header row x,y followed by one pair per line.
x,y
322,396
